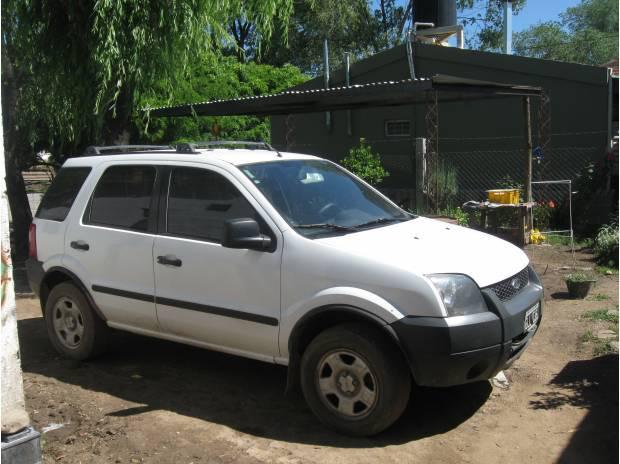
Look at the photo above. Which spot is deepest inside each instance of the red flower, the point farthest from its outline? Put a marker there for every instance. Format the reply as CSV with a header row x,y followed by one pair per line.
x,y
551,204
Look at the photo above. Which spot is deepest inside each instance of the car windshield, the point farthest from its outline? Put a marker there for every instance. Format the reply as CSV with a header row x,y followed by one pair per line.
x,y
318,198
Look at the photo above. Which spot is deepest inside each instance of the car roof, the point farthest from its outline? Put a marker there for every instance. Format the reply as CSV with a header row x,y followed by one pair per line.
x,y
216,156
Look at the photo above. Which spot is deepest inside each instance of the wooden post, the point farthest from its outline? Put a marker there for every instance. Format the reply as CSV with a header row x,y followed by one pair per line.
x,y
420,167
528,148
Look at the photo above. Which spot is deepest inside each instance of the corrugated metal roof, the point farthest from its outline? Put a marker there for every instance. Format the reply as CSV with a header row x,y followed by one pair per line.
x,y
386,93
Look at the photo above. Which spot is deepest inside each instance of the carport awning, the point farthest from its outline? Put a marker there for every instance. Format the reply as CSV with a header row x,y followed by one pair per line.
x,y
390,93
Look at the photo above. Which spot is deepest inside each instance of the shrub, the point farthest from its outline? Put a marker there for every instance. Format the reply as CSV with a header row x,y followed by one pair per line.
x,y
606,245
462,218
578,277
365,164
543,212
442,181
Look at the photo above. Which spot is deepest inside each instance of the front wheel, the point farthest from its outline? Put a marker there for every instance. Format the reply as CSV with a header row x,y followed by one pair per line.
x,y
355,380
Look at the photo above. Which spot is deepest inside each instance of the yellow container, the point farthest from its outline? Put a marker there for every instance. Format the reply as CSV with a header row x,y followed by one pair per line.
x,y
506,196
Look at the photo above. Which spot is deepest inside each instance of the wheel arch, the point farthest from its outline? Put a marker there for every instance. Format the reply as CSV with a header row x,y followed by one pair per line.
x,y
322,318
57,275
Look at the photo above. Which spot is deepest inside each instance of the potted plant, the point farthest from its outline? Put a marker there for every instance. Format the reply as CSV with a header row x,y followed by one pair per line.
x,y
579,284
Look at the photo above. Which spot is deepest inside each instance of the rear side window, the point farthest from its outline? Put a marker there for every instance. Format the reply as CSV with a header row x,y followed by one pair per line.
x,y
60,196
199,201
122,197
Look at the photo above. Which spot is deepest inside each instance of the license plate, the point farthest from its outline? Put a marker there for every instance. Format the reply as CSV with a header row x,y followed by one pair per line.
x,y
531,317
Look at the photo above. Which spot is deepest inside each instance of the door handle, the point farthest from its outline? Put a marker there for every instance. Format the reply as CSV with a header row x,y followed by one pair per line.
x,y
80,245
170,260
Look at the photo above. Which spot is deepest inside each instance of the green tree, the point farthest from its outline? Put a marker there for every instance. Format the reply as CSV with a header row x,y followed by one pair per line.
x,y
484,21
586,33
213,78
366,164
347,25
72,72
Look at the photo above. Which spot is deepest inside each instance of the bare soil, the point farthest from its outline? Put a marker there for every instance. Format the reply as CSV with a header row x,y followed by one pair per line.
x,y
154,401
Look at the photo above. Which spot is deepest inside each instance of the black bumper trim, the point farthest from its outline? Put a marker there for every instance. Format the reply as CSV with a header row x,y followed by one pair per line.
x,y
35,272
451,351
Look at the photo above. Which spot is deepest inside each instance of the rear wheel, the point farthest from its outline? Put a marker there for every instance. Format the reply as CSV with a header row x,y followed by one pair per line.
x,y
355,380
73,327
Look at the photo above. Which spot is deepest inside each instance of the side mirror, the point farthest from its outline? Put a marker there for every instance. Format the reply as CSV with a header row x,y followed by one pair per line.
x,y
244,233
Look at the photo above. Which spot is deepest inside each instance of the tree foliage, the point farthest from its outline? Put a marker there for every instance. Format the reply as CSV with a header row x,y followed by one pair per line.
x,y
209,79
484,21
586,33
347,25
87,63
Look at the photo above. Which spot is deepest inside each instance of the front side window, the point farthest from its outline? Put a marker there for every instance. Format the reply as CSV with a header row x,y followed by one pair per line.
x,y
317,197
200,201
122,197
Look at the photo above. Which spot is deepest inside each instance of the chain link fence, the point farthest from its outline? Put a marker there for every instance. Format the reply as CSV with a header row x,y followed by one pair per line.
x,y
481,170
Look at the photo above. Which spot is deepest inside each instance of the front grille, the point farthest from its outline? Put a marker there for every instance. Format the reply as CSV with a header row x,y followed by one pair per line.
x,y
505,290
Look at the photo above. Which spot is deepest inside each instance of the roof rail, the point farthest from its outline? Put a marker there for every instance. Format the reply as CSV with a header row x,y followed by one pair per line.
x,y
95,150
191,147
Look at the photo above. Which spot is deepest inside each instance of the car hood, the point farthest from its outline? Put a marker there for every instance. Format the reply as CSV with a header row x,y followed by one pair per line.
x,y
427,246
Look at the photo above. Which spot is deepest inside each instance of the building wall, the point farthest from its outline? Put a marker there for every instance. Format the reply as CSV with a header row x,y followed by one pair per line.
x,y
483,138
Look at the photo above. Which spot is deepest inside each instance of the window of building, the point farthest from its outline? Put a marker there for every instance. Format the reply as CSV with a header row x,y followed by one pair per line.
x,y
199,201
122,197
60,196
397,128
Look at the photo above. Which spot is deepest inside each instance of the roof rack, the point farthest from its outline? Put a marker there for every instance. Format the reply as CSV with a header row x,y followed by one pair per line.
x,y
193,146
95,150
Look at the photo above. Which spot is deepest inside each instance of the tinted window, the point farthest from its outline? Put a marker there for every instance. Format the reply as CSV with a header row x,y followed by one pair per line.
x,y
61,194
122,197
199,201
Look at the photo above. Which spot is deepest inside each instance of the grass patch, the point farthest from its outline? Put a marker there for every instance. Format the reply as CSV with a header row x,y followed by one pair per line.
x,y
563,240
606,270
603,347
599,347
587,337
601,315
598,297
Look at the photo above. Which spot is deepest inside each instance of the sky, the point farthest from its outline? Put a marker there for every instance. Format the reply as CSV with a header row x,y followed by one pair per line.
x,y
536,11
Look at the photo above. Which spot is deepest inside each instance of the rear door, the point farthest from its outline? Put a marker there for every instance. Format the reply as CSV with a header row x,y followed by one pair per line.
x,y
227,298
111,247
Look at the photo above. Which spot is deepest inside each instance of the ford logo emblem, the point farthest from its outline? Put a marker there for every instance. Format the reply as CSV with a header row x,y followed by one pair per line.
x,y
515,283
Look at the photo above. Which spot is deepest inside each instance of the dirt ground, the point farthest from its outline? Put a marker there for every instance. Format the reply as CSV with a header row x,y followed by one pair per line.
x,y
160,402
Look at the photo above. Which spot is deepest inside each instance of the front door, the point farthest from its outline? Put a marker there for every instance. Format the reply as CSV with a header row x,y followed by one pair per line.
x,y
226,298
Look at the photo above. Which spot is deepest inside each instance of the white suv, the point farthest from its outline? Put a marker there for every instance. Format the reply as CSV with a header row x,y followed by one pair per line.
x,y
283,258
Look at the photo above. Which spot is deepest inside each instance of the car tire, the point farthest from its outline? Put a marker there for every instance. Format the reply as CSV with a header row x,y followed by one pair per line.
x,y
73,327
355,380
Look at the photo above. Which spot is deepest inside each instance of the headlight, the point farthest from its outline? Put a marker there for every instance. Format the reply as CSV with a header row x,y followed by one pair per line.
x,y
460,295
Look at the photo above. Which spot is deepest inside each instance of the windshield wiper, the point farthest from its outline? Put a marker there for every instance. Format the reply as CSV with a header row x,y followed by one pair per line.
x,y
379,221
323,225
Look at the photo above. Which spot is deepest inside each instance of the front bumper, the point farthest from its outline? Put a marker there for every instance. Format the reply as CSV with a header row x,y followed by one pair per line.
x,y
455,350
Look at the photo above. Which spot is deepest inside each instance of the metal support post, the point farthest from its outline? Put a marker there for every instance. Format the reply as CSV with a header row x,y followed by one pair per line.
x,y
328,115
528,148
508,27
347,70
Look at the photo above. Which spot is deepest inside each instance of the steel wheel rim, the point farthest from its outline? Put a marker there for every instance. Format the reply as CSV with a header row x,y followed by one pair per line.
x,y
68,322
346,384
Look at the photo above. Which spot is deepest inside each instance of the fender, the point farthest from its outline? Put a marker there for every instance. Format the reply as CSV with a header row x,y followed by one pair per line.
x,y
76,280
377,308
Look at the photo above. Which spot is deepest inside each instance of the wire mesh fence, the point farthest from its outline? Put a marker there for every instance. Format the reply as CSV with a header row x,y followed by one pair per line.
x,y
481,170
